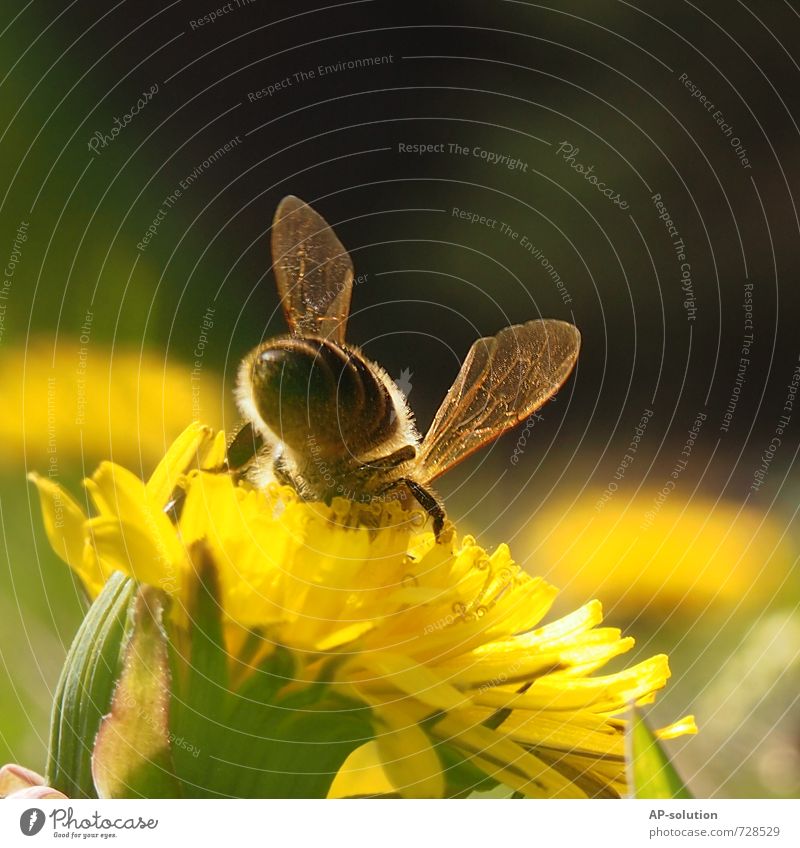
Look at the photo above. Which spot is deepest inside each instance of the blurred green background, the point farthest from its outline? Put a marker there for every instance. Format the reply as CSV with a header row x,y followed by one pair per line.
x,y
106,349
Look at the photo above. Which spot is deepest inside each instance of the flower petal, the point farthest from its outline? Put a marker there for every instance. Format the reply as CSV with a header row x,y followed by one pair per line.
x,y
121,495
184,453
407,755
683,726
125,546
63,520
362,774
385,670
607,693
502,758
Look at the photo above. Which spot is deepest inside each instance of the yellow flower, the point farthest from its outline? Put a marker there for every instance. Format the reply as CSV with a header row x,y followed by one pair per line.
x,y
65,401
443,642
648,552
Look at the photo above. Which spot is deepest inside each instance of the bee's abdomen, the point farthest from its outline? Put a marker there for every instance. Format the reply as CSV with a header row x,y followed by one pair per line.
x,y
365,409
345,403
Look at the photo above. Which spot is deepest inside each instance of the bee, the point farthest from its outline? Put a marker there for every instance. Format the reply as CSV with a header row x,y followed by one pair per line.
x,y
323,418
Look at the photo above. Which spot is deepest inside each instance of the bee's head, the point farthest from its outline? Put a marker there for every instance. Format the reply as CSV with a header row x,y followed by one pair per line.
x,y
308,388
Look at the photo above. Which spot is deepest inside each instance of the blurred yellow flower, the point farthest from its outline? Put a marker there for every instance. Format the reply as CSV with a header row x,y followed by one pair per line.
x,y
670,555
442,641
65,401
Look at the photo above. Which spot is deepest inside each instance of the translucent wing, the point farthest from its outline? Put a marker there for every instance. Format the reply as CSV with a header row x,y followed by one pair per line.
x,y
313,271
503,380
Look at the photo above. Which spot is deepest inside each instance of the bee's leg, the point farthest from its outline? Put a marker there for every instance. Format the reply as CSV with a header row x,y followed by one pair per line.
x,y
242,450
174,506
427,501
282,473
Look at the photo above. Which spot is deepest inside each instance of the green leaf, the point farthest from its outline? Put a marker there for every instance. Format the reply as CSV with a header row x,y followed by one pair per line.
x,y
652,774
264,746
296,753
463,779
200,672
83,694
251,740
132,753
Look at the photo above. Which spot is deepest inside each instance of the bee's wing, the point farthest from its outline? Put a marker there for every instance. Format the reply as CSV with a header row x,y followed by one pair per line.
x,y
313,271
504,379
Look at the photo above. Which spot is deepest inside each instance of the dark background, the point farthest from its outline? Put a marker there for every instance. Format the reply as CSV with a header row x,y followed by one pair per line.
x,y
513,78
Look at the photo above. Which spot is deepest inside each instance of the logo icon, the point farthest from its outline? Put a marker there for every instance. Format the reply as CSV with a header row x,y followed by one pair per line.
x,y
31,821
404,381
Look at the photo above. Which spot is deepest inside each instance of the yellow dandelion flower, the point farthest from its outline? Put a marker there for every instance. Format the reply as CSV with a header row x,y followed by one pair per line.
x,y
648,552
442,644
66,400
